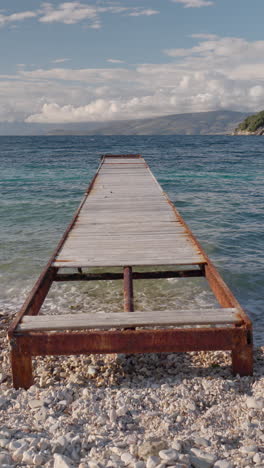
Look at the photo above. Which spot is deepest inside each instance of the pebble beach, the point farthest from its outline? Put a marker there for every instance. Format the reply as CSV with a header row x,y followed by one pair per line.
x,y
139,411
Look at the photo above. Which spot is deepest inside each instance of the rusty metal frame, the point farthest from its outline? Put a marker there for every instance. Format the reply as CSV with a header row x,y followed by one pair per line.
x,y
136,275
25,345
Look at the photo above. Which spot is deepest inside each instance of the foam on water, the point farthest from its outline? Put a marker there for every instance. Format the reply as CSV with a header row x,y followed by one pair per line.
x,y
216,183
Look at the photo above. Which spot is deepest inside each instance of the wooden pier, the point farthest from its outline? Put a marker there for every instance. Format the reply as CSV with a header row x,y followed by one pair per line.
x,y
125,220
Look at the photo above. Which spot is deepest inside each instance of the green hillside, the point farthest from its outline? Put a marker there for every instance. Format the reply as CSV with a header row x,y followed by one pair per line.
x,y
252,123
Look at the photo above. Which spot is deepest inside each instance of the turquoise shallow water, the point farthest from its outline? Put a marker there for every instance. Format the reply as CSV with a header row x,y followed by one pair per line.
x,y
216,183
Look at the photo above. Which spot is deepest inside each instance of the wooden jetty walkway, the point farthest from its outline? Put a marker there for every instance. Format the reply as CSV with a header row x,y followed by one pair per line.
x,y
126,220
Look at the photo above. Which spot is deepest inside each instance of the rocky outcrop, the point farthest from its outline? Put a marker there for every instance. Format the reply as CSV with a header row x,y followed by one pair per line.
x,y
252,125
259,131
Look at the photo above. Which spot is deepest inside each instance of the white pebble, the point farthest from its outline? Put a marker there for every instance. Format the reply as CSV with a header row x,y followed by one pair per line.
x,y
92,371
191,405
176,445
18,454
223,464
112,415
258,458
152,461
255,403
122,411
201,441
28,457
139,464
35,403
168,455
3,377
200,459
60,461
38,460
4,442
127,458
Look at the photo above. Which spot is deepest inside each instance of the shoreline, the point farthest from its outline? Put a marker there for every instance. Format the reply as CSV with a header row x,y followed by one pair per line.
x,y
141,411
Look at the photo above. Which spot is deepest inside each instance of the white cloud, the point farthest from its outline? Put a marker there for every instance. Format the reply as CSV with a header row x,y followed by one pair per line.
x,y
60,60
21,16
148,12
204,36
95,75
194,3
68,13
53,113
225,50
217,73
115,61
75,12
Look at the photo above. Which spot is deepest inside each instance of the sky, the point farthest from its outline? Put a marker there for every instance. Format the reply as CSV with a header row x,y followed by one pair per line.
x,y
101,60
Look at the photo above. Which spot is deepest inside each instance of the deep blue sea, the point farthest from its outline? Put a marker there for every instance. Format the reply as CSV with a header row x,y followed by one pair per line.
x,y
216,182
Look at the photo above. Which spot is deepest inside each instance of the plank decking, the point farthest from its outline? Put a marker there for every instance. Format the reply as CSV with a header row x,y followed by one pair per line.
x,y
126,220
131,319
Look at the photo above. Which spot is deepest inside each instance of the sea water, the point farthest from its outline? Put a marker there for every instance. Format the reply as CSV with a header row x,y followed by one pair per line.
x,y
216,182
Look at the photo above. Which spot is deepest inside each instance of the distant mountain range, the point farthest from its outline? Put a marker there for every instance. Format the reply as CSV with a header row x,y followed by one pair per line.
x,y
199,123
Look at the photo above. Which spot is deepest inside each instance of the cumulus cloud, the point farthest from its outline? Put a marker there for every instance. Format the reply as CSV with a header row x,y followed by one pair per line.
x,y
216,73
53,113
225,49
75,12
194,3
21,16
106,109
68,13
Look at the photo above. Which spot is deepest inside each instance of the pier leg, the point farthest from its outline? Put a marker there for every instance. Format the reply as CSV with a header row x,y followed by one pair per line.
x,y
128,290
21,369
242,358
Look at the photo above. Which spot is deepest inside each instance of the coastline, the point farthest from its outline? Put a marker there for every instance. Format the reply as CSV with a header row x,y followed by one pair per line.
x,y
139,411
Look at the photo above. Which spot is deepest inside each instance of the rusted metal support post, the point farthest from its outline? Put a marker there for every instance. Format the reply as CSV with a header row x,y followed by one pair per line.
x,y
128,290
21,364
242,356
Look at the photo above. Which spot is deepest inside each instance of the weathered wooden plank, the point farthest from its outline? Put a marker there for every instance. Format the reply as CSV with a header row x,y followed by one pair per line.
x,y
108,204
126,254
117,259
130,319
116,233
144,248
100,252
175,242
127,215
